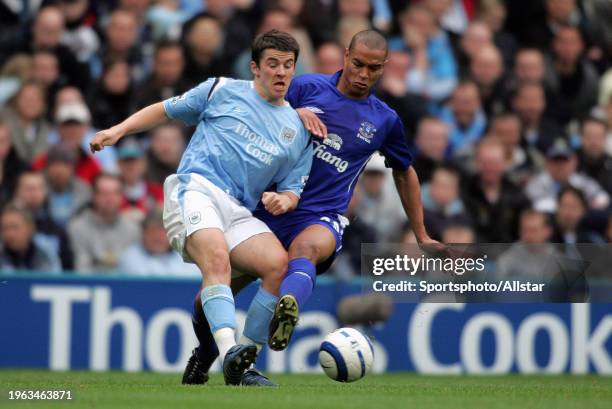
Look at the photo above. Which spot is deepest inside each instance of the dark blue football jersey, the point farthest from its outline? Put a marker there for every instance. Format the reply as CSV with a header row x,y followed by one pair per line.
x,y
356,129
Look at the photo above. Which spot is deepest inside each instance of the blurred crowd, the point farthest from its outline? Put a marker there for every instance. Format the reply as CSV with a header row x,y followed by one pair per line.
x,y
506,104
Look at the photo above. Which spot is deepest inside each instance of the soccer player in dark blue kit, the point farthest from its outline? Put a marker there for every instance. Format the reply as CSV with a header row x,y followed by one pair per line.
x,y
355,125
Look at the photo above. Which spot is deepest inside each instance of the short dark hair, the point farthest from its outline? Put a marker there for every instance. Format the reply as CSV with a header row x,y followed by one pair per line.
x,y
578,194
166,44
596,119
371,39
21,210
101,176
276,40
529,212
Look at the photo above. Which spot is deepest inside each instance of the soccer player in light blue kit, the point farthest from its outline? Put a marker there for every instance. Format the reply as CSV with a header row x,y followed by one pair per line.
x,y
247,139
357,124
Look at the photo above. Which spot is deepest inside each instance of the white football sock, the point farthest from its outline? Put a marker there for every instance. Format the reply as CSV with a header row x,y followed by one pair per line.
x,y
225,339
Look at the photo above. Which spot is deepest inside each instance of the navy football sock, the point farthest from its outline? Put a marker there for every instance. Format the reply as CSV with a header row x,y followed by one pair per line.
x,y
300,280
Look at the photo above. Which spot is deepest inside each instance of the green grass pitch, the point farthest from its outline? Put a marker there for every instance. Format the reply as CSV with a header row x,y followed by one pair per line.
x,y
147,390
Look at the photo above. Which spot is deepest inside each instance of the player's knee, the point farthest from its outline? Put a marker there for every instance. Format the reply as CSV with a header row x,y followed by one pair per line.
x,y
274,268
307,249
218,262
277,265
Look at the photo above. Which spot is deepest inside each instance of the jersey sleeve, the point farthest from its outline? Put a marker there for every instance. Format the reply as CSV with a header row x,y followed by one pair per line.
x,y
296,179
395,148
189,107
295,94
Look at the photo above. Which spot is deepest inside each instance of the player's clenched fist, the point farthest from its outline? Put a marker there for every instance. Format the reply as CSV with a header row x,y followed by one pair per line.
x,y
104,138
279,203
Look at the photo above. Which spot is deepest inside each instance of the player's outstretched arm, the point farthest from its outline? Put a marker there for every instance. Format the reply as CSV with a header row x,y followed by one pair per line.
x,y
279,203
409,189
145,119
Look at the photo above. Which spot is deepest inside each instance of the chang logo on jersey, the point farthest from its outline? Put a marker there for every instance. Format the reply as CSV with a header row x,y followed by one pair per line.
x,y
333,141
287,135
258,146
320,152
366,131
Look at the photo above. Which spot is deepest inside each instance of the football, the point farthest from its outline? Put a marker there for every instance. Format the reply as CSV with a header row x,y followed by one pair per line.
x,y
346,355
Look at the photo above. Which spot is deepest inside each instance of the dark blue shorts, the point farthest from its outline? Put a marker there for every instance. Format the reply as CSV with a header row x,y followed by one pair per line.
x,y
287,227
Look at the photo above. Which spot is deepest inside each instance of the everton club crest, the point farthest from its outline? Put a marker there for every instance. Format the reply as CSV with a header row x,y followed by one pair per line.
x,y
366,131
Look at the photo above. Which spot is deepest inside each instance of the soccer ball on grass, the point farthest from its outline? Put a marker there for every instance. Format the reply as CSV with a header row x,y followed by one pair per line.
x,y
346,355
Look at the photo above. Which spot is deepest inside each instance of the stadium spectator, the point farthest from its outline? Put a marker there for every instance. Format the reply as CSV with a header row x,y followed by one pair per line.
x,y
523,161
16,71
46,72
166,80
275,18
493,202
573,79
121,33
605,88
11,166
46,34
348,26
431,143
67,193
153,256
204,45
140,196
449,14
165,18
25,116
329,58
101,233
14,15
79,35
237,22
465,117
593,160
31,193
111,99
20,251
530,67
533,256
529,102
493,14
69,95
435,71
477,36
73,122
607,114
558,14
487,71
442,205
568,221
561,164
458,234
394,90
294,9
378,204
165,151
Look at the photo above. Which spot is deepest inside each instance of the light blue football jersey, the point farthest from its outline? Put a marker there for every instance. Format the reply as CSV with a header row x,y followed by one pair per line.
x,y
242,143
